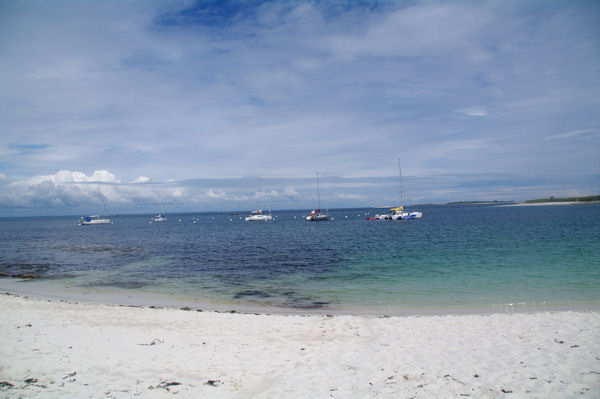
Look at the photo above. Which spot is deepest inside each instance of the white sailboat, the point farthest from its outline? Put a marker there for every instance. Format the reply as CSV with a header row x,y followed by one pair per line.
x,y
399,213
315,214
96,219
258,215
159,218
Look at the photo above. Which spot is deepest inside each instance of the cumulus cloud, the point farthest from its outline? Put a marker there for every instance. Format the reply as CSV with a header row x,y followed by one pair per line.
x,y
75,190
141,179
66,176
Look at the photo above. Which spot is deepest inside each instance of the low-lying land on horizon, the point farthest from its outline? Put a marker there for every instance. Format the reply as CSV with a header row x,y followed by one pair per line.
x,y
564,200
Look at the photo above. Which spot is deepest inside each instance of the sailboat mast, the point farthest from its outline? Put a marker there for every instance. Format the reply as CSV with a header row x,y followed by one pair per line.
x,y
318,193
400,177
103,203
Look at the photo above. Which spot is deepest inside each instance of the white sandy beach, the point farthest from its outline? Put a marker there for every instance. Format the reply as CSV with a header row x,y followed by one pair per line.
x,y
55,349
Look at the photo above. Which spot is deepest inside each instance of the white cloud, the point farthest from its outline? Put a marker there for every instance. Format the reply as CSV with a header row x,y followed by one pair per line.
x,y
473,111
141,179
66,176
573,134
430,30
216,194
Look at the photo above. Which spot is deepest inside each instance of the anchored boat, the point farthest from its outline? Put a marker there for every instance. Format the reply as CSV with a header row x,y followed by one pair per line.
x,y
258,215
96,219
316,215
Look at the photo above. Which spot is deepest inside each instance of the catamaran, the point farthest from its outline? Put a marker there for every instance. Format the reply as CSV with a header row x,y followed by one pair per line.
x,y
399,213
258,215
96,219
316,215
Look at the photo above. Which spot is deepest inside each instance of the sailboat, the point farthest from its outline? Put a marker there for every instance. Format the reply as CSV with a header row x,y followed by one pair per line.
x,y
316,215
96,219
160,217
258,215
399,213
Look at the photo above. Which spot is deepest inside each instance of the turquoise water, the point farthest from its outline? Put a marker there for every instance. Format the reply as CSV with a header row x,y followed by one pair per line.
x,y
461,258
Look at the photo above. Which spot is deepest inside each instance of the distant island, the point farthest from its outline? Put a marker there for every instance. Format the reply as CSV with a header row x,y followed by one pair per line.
x,y
480,202
591,198
550,200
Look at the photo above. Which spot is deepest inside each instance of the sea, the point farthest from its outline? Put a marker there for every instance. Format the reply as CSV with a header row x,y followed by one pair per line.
x,y
455,259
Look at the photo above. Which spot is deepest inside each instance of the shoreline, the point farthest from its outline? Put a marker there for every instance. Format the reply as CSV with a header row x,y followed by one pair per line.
x,y
551,203
144,299
55,348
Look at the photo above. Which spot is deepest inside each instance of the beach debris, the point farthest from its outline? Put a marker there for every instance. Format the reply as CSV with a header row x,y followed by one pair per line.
x,y
70,375
186,308
165,385
559,341
6,384
31,381
213,383
506,390
155,341
476,375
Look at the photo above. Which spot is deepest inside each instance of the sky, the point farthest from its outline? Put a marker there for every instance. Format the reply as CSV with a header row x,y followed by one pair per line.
x,y
236,105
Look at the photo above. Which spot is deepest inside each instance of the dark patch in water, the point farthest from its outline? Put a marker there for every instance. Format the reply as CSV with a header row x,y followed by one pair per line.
x,y
308,305
86,249
129,285
252,293
24,270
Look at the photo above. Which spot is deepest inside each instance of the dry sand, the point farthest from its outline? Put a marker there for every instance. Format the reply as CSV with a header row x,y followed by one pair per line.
x,y
52,349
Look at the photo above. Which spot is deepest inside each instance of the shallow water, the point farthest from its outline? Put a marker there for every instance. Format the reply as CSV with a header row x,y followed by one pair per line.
x,y
461,257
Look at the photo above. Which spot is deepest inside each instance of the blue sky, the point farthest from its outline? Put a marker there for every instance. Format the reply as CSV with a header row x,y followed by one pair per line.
x,y
186,103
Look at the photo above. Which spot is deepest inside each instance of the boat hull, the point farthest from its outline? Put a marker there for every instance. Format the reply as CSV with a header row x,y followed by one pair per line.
x,y
407,215
94,221
317,218
258,218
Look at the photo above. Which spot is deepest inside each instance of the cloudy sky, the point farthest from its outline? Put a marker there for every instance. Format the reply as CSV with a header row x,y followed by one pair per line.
x,y
184,104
